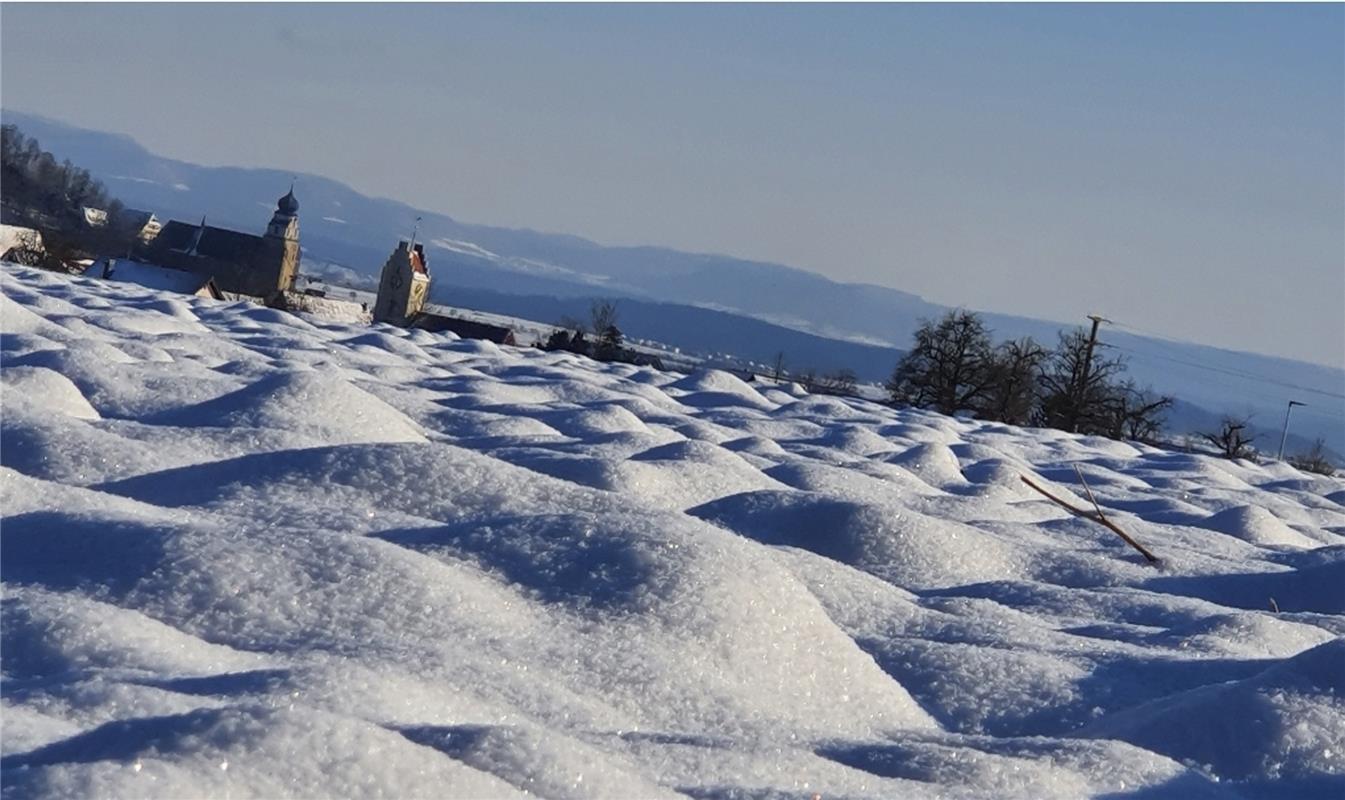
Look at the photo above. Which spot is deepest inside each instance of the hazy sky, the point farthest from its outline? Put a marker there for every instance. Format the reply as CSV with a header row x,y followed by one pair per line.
x,y
1177,168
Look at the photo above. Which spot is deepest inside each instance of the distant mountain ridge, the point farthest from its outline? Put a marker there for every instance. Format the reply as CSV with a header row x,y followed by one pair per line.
x,y
341,226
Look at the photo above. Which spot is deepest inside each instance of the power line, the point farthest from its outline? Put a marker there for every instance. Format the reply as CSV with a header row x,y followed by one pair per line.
x,y
1230,370
1233,372
1315,409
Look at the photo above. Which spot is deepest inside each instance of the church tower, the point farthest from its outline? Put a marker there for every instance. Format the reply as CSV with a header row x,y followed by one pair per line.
x,y
283,234
403,287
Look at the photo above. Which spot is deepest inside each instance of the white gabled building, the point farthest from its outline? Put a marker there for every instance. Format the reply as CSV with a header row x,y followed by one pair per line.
x,y
403,286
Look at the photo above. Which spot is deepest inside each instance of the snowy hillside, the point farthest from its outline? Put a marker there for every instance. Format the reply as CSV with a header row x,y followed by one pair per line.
x,y
246,554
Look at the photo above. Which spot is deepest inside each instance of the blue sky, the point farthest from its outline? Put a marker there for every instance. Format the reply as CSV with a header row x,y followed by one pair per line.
x,y
1179,168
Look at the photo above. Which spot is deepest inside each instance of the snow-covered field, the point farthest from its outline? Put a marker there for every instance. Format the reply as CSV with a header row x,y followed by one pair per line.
x,y
246,554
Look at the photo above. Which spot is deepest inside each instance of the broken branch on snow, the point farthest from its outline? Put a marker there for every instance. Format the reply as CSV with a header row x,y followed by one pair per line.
x,y
1097,516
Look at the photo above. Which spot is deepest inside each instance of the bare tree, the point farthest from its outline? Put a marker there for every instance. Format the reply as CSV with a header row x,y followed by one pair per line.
x,y
607,337
1232,439
948,370
1135,414
1314,460
602,314
1076,392
1014,371
778,367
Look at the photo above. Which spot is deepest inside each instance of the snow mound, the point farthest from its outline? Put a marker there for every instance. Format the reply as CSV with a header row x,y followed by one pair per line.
x,y
301,401
45,390
687,473
1281,726
711,388
694,451
1246,635
824,409
1256,525
1316,588
268,750
933,463
755,445
172,307
586,422
1000,474
384,342
46,628
856,440
903,547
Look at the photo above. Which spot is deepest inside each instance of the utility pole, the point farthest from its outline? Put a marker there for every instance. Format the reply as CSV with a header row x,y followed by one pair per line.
x,y
1081,390
1092,342
1285,433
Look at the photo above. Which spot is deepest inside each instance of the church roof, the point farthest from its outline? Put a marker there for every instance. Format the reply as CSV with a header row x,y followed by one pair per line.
x,y
288,204
220,243
131,218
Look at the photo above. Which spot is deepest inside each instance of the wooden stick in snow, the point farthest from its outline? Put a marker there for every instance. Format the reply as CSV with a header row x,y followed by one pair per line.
x,y
1088,489
1098,517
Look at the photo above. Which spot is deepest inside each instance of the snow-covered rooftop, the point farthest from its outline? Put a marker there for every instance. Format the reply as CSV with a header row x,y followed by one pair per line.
x,y
251,554
150,276
15,236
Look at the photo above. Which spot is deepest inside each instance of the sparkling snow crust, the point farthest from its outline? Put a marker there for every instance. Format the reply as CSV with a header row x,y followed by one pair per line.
x,y
249,554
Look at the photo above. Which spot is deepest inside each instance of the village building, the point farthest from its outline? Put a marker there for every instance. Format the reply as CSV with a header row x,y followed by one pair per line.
x,y
403,298
20,245
403,286
241,264
140,226
152,276
94,217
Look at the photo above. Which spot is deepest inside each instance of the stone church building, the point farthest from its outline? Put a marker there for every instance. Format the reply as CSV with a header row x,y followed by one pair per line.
x,y
240,263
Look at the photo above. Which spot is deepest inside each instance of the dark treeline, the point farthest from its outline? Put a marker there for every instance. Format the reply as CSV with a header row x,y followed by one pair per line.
x,y
41,191
954,368
50,196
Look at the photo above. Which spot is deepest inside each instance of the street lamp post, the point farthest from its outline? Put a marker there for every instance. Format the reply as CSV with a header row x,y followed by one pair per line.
x,y
1285,433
